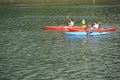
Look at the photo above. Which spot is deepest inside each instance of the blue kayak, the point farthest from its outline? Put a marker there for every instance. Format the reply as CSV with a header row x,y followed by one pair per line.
x,y
84,33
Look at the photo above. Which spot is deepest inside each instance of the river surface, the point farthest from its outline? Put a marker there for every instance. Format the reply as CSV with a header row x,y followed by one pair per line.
x,y
28,52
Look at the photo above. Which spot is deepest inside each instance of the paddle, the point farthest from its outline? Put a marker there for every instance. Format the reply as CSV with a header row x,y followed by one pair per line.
x,y
68,17
83,22
100,22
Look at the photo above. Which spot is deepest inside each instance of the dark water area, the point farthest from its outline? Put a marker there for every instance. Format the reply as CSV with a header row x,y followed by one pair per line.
x,y
28,52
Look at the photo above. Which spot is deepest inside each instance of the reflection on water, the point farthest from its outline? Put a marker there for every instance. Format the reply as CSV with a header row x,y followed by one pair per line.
x,y
27,52
85,40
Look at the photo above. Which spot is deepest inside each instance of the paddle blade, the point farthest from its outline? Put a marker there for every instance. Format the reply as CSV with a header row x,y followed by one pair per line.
x,y
67,17
83,21
99,22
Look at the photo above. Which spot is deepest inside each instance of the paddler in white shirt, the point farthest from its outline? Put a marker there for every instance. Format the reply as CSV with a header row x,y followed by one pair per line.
x,y
96,25
70,22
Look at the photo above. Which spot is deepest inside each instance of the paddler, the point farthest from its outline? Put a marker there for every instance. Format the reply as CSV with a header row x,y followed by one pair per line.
x,y
70,22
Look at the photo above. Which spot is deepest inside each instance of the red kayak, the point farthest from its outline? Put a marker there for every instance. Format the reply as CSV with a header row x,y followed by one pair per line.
x,y
95,29
64,28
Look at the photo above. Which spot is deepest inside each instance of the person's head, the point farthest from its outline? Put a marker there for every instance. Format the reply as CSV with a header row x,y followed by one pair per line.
x,y
92,24
70,19
95,22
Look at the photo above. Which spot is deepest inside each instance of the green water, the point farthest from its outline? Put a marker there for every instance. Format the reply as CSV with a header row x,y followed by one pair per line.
x,y
27,52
